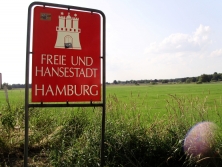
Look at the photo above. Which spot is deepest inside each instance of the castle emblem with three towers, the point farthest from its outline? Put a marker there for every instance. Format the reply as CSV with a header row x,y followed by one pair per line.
x,y
68,32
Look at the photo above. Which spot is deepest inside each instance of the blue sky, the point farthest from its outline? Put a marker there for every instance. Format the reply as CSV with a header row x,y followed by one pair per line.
x,y
146,39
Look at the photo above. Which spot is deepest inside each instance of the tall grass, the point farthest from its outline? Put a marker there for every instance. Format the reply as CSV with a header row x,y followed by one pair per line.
x,y
135,134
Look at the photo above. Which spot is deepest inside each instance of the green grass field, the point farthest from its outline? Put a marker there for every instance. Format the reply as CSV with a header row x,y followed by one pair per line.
x,y
153,99
145,126
147,100
146,95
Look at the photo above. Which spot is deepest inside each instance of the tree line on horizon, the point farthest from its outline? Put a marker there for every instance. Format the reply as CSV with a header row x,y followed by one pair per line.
x,y
9,86
215,77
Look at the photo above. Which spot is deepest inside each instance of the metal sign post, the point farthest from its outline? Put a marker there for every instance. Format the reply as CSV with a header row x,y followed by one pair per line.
x,y
67,47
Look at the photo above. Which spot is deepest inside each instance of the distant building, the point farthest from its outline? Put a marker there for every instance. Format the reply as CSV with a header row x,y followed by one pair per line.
x,y
0,80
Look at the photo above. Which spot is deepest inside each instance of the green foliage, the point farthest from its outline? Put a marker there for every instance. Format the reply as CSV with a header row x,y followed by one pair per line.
x,y
205,78
8,122
65,145
165,81
199,82
115,82
153,83
188,80
10,129
8,86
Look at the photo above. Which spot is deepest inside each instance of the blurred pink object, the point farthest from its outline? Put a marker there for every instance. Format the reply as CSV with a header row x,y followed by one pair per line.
x,y
200,140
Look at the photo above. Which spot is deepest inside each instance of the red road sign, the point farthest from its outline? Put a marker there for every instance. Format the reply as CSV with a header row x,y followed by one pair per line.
x,y
66,55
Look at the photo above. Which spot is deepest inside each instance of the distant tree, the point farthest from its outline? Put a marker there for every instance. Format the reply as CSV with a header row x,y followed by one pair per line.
x,y
204,78
5,84
215,77
115,82
200,79
210,76
172,80
165,81
141,81
219,77
9,87
194,79
183,79
19,85
188,80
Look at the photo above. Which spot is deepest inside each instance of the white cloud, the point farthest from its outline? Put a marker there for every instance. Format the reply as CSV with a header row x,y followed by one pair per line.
x,y
179,42
201,35
216,53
